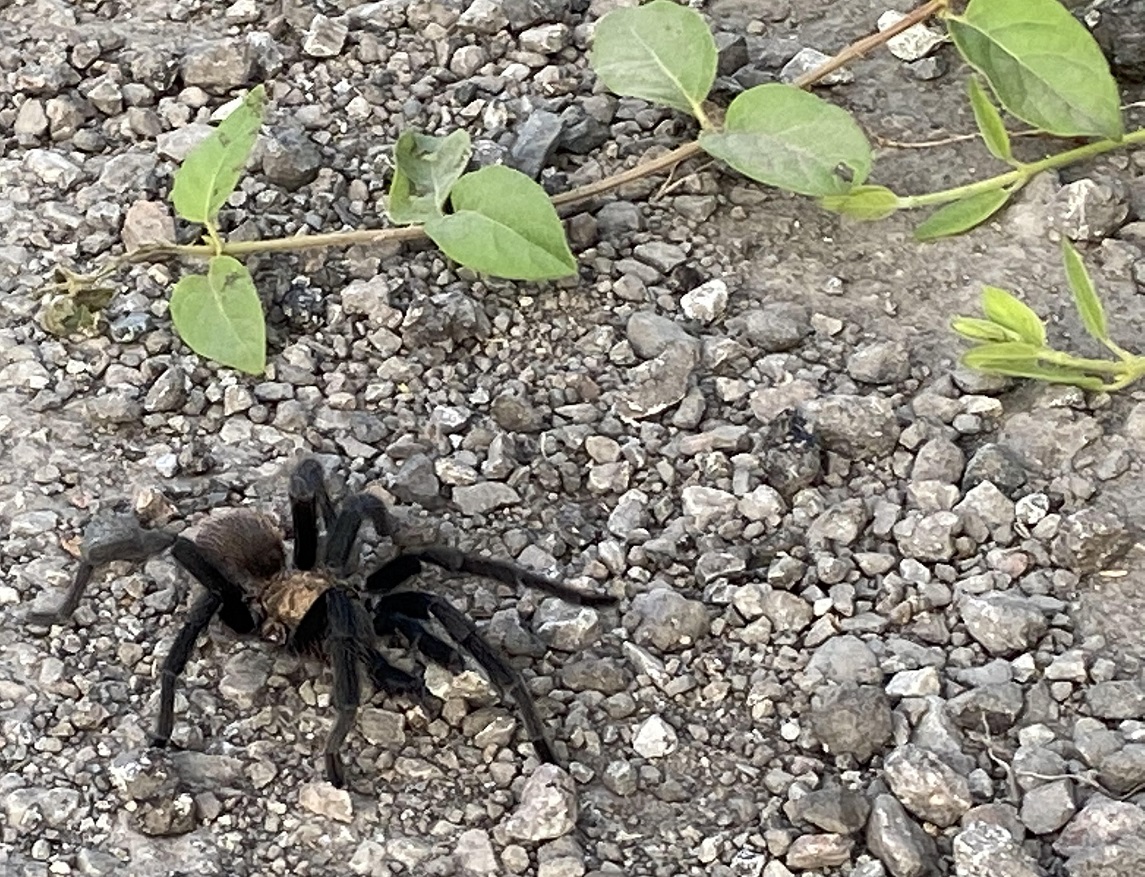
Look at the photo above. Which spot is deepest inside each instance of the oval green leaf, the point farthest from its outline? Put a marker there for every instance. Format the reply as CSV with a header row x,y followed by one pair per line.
x,y
1009,311
974,329
1042,64
662,52
989,121
782,136
220,317
1019,360
425,169
210,173
503,225
863,202
960,216
1089,306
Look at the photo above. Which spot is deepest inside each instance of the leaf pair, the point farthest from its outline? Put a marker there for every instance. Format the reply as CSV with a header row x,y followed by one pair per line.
x,y
1012,338
775,134
219,314
502,222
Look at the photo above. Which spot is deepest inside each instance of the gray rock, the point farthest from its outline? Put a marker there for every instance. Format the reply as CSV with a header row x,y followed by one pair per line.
x,y
1005,623
548,807
565,626
1123,772
484,17
707,302
835,808
854,719
474,853
927,786
605,675
1048,807
1086,210
1100,822
775,327
514,413
291,159
707,504
30,810
218,65
244,676
1090,540
938,460
982,848
147,222
650,334
998,705
856,427
667,620
655,738
661,255
787,612
1093,740
928,537
884,362
998,464
1116,700
168,393
631,517
657,384
324,38
811,852
1126,858
537,139
898,841
484,497
416,481
808,59
326,800
844,659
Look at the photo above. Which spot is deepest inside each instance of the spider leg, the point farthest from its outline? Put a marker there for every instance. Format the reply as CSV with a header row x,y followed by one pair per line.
x,y
308,500
389,620
117,538
420,604
391,574
344,531
339,626
223,597
202,612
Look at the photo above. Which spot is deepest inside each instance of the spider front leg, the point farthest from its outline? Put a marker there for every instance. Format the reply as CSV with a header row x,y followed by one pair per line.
x,y
118,537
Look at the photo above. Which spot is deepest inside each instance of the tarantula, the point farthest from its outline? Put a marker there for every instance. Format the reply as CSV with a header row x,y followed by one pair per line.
x,y
239,558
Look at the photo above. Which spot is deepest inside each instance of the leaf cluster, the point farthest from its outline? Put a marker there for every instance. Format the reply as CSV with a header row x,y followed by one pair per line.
x,y
1010,338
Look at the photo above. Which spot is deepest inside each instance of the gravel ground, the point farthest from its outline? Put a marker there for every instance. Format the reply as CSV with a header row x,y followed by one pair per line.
x,y
878,615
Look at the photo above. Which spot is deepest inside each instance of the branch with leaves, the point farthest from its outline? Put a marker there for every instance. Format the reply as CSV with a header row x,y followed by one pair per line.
x,y
1010,338
1037,60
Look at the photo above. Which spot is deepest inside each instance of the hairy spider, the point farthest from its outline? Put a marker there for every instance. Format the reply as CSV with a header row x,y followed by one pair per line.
x,y
239,558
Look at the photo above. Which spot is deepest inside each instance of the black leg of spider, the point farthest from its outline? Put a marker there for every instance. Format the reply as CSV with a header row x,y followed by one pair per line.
x,y
115,538
222,597
409,611
338,627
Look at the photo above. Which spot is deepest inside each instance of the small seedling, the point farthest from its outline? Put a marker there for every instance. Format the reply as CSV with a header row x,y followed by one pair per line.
x,y
1011,338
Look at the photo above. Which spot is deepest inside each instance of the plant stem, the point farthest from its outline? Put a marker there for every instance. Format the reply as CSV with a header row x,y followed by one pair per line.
x,y
668,160
1023,174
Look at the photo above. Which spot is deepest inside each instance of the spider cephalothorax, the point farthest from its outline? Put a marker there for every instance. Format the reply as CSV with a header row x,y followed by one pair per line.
x,y
239,558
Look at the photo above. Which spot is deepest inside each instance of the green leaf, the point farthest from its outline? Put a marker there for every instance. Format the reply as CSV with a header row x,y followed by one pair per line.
x,y
1084,295
1021,361
425,169
1007,310
503,224
210,173
975,329
220,317
989,121
960,216
1042,64
863,202
782,136
661,52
